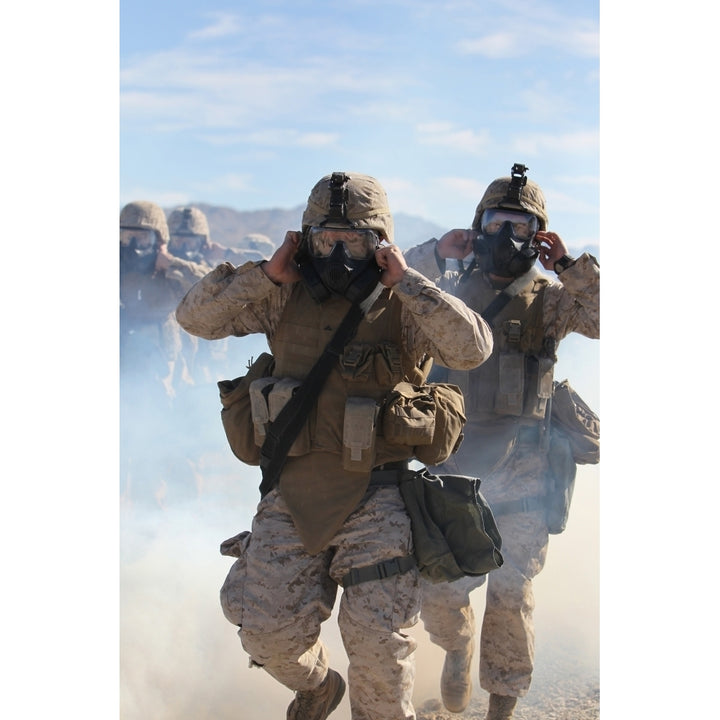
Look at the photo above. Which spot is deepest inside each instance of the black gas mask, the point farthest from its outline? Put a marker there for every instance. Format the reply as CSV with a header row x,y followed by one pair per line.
x,y
138,250
335,257
505,245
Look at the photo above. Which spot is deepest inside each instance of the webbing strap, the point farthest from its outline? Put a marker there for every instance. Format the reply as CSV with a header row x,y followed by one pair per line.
x,y
285,428
510,507
388,474
387,568
506,295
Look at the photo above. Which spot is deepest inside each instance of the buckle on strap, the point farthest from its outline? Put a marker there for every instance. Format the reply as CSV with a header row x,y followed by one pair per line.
x,y
385,569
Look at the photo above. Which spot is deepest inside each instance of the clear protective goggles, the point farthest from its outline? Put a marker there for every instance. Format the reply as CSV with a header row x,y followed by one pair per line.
x,y
524,225
359,243
140,239
188,241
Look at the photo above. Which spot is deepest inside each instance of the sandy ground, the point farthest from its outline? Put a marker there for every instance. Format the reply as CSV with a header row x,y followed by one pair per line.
x,y
560,691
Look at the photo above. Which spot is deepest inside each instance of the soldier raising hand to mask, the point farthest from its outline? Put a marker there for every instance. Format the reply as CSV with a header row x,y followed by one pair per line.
x,y
281,267
506,400
392,263
334,516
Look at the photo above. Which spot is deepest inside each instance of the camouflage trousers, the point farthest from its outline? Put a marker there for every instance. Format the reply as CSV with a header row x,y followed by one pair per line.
x,y
279,595
507,637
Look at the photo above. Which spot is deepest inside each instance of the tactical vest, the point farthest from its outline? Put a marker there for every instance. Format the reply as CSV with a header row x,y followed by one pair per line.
x,y
516,380
372,363
325,477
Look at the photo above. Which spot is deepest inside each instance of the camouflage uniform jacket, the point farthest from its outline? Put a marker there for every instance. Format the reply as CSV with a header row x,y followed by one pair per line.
x,y
240,301
570,305
544,312
319,489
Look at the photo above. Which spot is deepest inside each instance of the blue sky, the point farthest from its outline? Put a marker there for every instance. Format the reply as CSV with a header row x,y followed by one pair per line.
x,y
247,104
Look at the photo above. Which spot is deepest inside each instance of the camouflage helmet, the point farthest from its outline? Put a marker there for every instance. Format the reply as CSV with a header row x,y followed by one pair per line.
x,y
531,200
145,215
367,204
188,221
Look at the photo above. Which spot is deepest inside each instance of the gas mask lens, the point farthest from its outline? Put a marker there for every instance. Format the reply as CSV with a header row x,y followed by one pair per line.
x,y
524,225
140,240
359,244
188,243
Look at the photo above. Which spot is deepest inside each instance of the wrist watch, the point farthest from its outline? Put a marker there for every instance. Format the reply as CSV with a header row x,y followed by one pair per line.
x,y
563,263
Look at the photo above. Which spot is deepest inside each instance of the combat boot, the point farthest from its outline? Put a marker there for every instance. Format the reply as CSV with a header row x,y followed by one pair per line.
x,y
501,707
455,682
317,704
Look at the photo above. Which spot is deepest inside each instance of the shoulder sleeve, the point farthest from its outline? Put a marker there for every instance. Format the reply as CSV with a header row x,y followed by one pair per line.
x,y
572,304
441,325
233,301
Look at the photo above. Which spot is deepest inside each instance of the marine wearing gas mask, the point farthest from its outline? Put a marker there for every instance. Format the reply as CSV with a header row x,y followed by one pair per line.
x,y
344,223
510,212
143,229
189,234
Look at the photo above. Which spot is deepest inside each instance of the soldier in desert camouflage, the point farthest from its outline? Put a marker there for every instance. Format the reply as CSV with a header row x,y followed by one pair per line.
x,y
152,365
336,517
190,239
506,442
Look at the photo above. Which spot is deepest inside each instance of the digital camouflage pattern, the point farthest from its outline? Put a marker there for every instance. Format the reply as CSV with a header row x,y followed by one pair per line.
x,y
433,322
280,593
280,629
518,470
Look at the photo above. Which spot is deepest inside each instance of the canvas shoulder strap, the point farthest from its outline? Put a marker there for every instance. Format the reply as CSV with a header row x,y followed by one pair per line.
x,y
507,294
284,429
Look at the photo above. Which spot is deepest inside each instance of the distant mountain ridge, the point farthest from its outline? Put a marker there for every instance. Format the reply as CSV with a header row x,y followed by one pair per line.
x,y
231,227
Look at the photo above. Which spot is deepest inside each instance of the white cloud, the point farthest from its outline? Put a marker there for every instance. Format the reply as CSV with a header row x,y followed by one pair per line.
x,y
583,141
464,187
561,202
288,137
526,29
190,89
499,45
447,135
224,25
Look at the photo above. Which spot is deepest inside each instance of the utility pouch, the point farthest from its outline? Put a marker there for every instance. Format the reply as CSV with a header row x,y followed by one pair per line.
x,y
359,433
236,412
450,420
574,417
409,415
453,528
511,383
